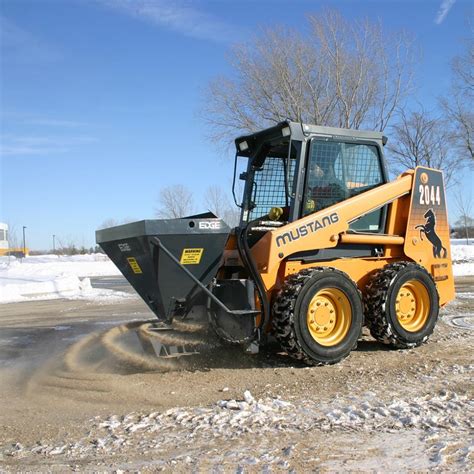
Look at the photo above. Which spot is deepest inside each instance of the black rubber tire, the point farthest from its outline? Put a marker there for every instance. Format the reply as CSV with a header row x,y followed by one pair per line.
x,y
380,310
289,315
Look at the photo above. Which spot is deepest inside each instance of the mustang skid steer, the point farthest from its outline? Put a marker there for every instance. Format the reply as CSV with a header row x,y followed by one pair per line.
x,y
326,244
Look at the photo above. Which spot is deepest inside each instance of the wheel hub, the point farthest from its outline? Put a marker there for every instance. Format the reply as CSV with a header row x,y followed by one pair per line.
x,y
329,316
406,303
412,305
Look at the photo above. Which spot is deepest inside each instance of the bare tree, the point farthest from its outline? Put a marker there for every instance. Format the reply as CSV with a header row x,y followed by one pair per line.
x,y
174,201
421,140
344,73
67,245
112,222
464,207
218,202
458,106
463,67
459,113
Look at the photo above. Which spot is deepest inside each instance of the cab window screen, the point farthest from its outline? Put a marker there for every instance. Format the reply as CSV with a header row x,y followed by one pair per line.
x,y
269,186
324,186
360,168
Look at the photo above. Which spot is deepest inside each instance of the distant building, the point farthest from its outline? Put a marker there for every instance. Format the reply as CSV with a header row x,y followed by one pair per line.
x,y
3,237
5,248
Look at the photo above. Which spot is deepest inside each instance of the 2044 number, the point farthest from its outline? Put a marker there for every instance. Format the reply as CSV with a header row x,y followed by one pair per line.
x,y
429,195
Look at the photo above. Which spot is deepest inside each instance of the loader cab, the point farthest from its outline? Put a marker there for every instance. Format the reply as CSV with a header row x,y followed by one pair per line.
x,y
301,169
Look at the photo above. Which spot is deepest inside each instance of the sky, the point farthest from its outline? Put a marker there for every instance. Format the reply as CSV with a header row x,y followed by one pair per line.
x,y
100,100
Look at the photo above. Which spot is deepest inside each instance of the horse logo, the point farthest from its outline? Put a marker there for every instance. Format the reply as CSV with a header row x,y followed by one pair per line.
x,y
428,228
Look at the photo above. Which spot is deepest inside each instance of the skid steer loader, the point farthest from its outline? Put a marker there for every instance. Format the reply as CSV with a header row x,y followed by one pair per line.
x,y
325,245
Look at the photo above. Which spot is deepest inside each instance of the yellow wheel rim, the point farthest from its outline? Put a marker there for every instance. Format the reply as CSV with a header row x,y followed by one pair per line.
x,y
329,316
412,306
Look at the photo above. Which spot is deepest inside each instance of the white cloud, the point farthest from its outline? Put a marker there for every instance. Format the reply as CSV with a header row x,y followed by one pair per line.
x,y
181,18
29,118
47,122
443,11
12,145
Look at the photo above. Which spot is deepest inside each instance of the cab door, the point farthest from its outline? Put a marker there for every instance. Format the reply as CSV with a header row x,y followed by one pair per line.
x,y
338,170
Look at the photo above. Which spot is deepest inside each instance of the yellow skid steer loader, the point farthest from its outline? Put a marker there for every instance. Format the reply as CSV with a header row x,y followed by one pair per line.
x,y
325,245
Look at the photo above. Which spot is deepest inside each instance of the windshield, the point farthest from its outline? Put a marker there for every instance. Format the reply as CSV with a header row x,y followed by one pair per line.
x,y
266,187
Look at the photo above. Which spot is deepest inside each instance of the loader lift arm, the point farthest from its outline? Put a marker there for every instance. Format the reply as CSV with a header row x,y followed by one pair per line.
x,y
326,228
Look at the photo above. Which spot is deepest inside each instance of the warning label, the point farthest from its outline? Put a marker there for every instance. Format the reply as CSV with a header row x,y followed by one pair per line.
x,y
191,256
134,265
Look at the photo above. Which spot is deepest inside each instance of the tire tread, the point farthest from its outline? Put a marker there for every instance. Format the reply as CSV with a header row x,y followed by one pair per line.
x,y
283,320
375,302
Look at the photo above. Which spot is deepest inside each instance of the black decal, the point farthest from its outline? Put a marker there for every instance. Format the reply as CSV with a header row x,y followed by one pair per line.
x,y
283,239
303,231
428,228
295,235
326,221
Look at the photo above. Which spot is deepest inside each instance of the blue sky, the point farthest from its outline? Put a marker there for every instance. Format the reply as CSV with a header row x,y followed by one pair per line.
x,y
100,99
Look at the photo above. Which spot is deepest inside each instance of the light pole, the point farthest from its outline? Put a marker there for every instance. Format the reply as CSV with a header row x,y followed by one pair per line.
x,y
54,244
24,242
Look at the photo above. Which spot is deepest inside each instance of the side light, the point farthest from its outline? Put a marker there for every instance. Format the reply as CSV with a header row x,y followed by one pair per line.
x,y
285,131
243,146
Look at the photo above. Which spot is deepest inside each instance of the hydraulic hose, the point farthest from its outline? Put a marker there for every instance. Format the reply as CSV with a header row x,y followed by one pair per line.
x,y
246,256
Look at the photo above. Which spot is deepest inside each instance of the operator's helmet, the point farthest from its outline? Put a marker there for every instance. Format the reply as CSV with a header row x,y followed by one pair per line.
x,y
316,170
325,167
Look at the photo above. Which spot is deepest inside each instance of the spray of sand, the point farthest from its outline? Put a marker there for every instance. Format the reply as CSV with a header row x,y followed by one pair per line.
x,y
93,367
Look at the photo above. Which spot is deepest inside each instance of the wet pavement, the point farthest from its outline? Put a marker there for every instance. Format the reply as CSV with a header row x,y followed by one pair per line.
x,y
33,331
117,283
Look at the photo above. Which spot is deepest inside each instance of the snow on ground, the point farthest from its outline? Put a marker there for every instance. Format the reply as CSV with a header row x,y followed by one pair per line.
x,y
462,242
52,276
441,421
80,265
463,257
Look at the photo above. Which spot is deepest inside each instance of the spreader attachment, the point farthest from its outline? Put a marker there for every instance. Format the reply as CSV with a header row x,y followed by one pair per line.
x,y
169,262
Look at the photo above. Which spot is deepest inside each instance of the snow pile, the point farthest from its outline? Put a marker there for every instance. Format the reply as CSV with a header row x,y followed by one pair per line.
x,y
232,418
463,259
439,419
462,242
50,276
79,265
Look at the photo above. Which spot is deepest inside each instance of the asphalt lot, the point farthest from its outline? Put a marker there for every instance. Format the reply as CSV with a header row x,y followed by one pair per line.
x,y
117,283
